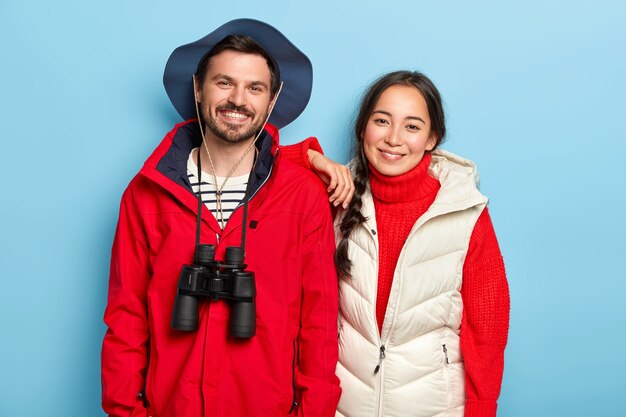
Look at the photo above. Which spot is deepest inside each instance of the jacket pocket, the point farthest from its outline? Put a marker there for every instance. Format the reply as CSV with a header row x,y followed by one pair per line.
x,y
148,392
294,401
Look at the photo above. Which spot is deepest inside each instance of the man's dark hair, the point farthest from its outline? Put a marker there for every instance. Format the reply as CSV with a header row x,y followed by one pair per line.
x,y
246,45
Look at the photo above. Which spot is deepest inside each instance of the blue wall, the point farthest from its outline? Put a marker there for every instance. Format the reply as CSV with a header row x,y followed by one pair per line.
x,y
535,95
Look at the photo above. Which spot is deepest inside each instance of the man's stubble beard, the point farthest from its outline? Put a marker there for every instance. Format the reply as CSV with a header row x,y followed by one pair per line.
x,y
230,134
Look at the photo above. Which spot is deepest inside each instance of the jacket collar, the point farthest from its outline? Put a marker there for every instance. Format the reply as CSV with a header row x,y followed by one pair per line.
x,y
167,166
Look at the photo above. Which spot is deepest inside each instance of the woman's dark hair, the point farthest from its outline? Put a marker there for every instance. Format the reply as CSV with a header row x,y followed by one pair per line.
x,y
246,45
361,170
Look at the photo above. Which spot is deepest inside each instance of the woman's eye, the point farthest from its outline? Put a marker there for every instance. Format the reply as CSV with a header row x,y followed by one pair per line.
x,y
413,128
380,121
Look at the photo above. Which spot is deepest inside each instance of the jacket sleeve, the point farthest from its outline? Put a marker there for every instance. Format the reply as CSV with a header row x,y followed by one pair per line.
x,y
298,151
317,340
485,322
124,349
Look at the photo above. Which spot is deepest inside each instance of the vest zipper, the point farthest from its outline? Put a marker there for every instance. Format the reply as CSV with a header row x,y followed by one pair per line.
x,y
380,370
381,356
294,402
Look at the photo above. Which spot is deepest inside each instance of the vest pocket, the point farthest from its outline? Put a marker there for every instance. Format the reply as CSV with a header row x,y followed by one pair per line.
x,y
339,324
445,354
445,370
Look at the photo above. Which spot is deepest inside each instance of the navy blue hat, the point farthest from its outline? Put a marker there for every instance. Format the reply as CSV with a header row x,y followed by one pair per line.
x,y
295,68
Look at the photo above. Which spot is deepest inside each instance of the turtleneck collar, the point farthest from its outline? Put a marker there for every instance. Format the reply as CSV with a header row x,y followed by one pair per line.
x,y
410,186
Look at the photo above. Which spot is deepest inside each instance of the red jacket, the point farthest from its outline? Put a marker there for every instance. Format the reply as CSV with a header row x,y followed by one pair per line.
x,y
149,369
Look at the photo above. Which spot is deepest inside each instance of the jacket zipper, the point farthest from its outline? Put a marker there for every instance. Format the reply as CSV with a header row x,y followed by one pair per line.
x,y
206,331
269,174
445,353
143,398
294,401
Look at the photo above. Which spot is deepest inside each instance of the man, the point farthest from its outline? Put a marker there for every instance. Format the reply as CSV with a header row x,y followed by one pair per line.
x,y
228,156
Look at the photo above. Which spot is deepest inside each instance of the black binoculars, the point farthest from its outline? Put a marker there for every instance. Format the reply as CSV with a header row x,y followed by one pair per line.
x,y
214,280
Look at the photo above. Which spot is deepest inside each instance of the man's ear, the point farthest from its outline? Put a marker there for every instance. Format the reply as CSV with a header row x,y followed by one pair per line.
x,y
270,108
275,98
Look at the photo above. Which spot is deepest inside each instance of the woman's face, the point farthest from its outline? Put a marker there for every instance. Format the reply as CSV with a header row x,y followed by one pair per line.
x,y
397,132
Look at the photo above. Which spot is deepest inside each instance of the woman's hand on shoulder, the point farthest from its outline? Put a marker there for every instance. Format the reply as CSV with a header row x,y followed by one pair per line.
x,y
337,177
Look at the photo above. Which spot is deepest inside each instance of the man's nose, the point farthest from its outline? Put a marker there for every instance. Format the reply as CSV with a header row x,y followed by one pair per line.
x,y
238,96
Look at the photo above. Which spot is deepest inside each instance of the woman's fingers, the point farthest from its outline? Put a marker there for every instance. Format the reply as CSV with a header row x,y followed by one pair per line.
x,y
344,189
336,176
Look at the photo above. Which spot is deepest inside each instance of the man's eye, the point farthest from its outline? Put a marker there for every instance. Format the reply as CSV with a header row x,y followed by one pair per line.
x,y
257,88
223,83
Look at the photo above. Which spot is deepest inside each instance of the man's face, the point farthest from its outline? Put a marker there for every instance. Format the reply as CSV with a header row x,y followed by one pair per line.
x,y
235,96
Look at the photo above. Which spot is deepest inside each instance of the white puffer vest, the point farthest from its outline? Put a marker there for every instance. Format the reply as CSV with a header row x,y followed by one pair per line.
x,y
415,367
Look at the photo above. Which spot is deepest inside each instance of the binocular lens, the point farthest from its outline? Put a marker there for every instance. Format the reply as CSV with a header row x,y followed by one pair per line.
x,y
234,255
204,254
242,322
185,314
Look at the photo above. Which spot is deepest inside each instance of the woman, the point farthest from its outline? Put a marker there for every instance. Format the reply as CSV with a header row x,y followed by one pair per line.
x,y
424,302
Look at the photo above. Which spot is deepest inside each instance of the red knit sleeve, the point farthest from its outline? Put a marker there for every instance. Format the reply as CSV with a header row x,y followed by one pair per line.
x,y
298,151
485,323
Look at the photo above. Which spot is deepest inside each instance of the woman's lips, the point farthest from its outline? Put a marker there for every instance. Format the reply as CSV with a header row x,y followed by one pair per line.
x,y
390,156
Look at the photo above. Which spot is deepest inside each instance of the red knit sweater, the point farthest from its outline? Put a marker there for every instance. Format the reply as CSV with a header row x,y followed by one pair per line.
x,y
399,201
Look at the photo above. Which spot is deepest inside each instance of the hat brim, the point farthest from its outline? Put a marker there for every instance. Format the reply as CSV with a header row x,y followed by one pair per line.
x,y
295,69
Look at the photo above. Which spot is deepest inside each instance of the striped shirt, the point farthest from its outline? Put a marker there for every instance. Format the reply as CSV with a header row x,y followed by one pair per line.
x,y
232,193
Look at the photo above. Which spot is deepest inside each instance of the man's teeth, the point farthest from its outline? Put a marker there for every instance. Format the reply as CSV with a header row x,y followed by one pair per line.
x,y
235,115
